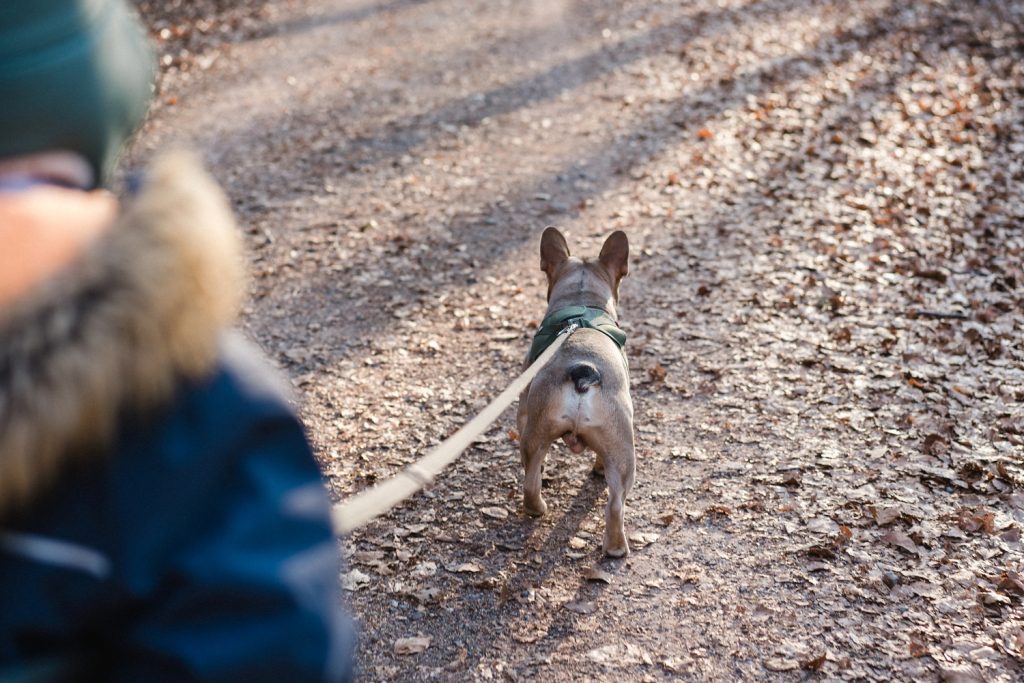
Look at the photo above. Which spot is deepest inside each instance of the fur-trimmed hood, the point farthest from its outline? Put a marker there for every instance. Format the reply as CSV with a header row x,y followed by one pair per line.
x,y
113,334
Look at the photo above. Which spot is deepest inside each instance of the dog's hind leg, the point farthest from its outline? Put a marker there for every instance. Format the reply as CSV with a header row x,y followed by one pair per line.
x,y
521,412
619,472
533,452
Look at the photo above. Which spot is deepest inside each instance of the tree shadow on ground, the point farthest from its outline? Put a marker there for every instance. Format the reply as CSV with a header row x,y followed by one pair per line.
x,y
520,554
336,17
395,137
874,90
495,231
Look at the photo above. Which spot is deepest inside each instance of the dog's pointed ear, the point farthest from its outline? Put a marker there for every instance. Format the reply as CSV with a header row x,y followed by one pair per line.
x,y
553,251
615,256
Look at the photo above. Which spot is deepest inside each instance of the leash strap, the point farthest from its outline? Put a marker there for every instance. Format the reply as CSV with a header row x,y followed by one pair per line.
x,y
355,512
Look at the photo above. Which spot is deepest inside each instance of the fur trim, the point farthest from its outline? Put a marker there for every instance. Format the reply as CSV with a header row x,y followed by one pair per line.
x,y
141,310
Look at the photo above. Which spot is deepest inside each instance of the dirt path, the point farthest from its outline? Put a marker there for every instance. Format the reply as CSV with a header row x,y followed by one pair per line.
x,y
825,204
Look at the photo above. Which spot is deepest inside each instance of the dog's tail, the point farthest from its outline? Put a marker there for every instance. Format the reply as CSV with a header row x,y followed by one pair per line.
x,y
584,376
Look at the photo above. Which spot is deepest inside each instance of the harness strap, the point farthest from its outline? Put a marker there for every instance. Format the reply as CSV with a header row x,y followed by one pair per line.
x,y
583,316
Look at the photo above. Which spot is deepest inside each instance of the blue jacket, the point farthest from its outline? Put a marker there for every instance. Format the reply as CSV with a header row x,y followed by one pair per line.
x,y
161,514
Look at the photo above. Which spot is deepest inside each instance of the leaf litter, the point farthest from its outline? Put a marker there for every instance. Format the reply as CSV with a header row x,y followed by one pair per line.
x,y
824,312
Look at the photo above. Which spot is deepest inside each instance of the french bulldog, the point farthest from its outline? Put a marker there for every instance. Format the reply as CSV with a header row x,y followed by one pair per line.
x,y
582,394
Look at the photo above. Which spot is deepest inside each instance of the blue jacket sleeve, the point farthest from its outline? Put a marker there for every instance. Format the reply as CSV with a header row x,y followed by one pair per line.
x,y
231,562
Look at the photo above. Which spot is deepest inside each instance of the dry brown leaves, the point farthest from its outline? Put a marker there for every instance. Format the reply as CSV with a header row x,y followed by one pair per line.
x,y
824,310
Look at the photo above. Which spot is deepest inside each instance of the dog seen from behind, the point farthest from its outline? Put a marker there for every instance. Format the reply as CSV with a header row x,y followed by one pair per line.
x,y
582,394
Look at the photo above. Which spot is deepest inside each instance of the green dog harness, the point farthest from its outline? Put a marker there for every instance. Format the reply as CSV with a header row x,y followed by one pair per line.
x,y
581,316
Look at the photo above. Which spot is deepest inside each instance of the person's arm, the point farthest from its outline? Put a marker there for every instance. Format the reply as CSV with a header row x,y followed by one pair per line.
x,y
247,575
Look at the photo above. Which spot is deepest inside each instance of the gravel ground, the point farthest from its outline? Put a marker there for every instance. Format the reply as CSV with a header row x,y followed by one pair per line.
x,y
825,206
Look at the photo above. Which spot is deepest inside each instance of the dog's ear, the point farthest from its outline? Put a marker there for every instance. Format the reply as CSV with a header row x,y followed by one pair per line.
x,y
615,256
553,251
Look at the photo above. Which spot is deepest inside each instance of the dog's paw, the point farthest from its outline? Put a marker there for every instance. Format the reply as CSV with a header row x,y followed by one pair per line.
x,y
536,508
616,550
615,543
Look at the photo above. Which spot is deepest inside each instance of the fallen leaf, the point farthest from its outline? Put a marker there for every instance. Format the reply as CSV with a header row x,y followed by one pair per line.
x,y
813,664
792,479
458,662
431,594
935,445
899,539
689,574
657,373
367,556
723,510
829,550
885,514
672,664
824,551
1011,582
529,636
581,607
993,600
354,580
960,673
1018,641
495,512
424,570
595,574
639,539
619,656
488,582
780,664
973,521
412,646
925,589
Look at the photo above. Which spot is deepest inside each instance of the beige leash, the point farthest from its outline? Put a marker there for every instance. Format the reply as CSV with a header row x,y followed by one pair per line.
x,y
353,513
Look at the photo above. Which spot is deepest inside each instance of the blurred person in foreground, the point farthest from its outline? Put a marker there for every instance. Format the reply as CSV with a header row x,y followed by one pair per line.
x,y
161,515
